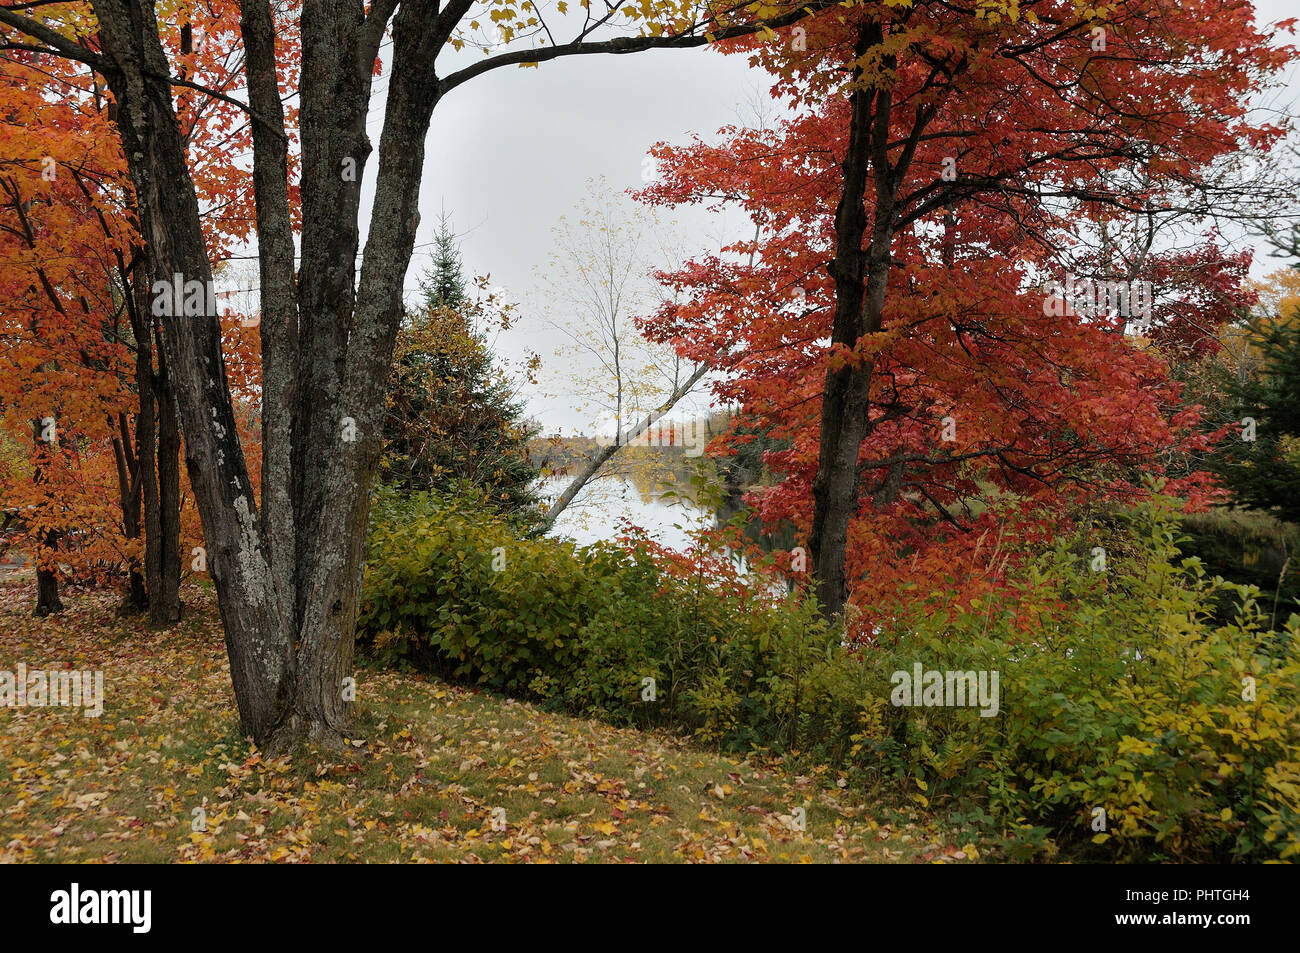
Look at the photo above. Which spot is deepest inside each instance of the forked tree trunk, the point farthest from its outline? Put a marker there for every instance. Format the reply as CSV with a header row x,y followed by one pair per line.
x,y
860,270
258,642
287,586
157,461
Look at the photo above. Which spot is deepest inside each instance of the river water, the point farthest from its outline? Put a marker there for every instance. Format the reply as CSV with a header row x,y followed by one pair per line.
x,y
604,503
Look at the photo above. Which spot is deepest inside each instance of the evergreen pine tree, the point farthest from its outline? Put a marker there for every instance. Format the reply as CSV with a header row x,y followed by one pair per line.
x,y
452,418
444,283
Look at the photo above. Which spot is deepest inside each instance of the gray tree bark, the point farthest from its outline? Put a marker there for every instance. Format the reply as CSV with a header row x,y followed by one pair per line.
x,y
288,575
860,278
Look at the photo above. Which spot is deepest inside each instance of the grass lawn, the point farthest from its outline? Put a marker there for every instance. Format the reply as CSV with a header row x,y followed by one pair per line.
x,y
439,770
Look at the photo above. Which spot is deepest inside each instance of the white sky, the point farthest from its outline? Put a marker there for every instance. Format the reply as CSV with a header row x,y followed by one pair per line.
x,y
512,150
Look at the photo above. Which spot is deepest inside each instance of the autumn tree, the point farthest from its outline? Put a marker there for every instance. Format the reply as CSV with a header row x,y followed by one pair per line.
x,y
910,216
599,282
64,378
287,569
97,240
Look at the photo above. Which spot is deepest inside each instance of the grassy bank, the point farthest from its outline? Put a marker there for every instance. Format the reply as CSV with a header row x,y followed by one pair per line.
x,y
436,764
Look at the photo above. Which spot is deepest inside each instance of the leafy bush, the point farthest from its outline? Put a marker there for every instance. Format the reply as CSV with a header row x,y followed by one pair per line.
x,y
449,587
433,597
1123,700
1118,692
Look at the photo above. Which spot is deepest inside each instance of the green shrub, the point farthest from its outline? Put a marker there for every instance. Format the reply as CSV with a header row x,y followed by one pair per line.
x,y
1118,690
451,589
1124,698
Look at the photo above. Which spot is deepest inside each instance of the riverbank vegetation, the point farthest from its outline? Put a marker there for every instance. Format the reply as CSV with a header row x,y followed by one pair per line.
x,y
1125,723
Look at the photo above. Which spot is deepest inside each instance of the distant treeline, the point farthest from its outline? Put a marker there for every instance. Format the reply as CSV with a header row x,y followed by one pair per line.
x,y
671,443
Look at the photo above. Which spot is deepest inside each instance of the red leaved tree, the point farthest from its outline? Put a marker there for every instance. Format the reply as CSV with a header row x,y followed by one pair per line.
x,y
896,330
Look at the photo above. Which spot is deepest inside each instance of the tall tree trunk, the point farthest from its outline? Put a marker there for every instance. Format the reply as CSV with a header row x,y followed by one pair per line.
x,y
146,442
330,583
157,454
129,488
860,270
278,325
47,572
257,634
844,416
165,601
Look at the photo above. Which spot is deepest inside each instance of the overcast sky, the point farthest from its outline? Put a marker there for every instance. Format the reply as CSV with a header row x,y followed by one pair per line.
x,y
511,151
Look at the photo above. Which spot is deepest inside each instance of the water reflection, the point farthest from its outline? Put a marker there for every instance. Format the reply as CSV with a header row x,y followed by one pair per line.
x,y
603,504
